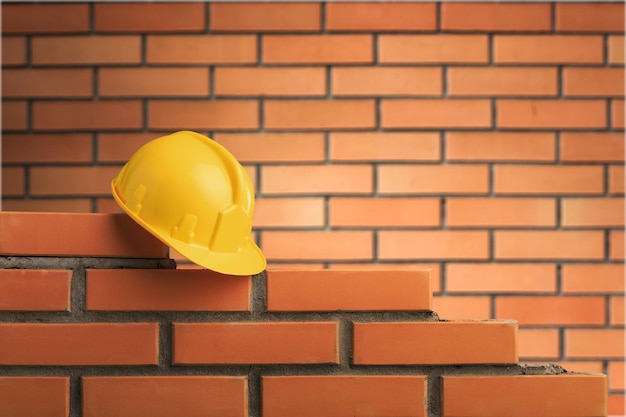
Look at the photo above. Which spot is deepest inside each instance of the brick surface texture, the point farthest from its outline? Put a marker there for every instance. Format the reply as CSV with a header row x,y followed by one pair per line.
x,y
483,141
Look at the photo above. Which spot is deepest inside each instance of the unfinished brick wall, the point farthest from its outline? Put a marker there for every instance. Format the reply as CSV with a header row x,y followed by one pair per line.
x,y
107,327
482,140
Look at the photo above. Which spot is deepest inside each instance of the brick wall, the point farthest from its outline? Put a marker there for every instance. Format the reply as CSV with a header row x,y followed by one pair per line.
x,y
484,141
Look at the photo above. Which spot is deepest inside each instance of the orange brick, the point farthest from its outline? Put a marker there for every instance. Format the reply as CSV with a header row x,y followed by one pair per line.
x,y
549,245
502,81
220,114
87,115
165,396
317,49
594,343
555,179
314,396
378,17
616,375
437,244
616,245
616,405
386,81
551,114
13,181
435,343
316,179
616,179
24,396
13,50
592,212
433,268
85,50
62,234
385,146
153,81
201,49
73,205
500,212
149,17
317,245
500,278
593,82
14,115
170,290
433,49
35,290
55,344
527,395
495,17
462,308
319,114
433,179
288,212
552,311
69,180
119,147
589,17
593,278
348,290
437,113
274,147
28,148
616,49
264,17
384,212
500,146
547,49
45,18
539,343
255,343
617,114
617,311
266,81
587,147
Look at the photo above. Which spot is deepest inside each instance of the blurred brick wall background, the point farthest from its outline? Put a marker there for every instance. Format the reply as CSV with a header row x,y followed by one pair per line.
x,y
483,140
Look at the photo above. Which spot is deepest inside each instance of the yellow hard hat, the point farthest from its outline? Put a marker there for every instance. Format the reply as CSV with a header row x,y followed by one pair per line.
x,y
191,193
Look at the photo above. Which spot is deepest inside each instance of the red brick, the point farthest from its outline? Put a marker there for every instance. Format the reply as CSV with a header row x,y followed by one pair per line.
x,y
592,212
72,180
170,290
73,205
288,212
14,115
26,148
45,18
594,343
85,50
316,179
524,395
433,179
153,81
593,82
314,396
319,114
551,114
384,212
435,343
462,308
549,245
149,17
61,234
500,278
255,343
386,81
13,181
433,49
220,114
377,17
436,113
502,81
35,290
385,146
500,146
500,212
589,17
201,49
539,343
616,179
592,147
616,245
593,278
26,396
496,17
433,268
317,49
87,115
616,50
317,245
348,290
274,147
616,375
165,396
616,311
555,179
437,244
617,114
264,17
552,311
616,404
55,344
266,81
547,49
13,50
